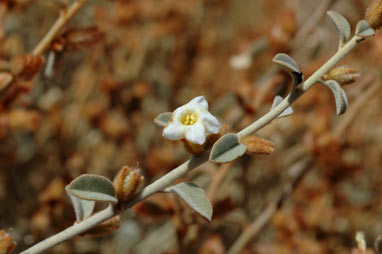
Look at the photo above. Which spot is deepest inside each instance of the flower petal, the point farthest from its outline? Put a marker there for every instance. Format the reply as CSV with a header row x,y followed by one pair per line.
x,y
196,134
199,102
210,122
178,113
174,131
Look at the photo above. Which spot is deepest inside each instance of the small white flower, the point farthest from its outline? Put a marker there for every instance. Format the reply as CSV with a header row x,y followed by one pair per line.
x,y
192,121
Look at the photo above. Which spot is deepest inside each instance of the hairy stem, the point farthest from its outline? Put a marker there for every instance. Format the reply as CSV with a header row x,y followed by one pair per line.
x,y
72,231
195,161
292,97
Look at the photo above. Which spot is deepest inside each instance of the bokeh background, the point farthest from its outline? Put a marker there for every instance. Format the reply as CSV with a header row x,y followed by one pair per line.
x,y
89,108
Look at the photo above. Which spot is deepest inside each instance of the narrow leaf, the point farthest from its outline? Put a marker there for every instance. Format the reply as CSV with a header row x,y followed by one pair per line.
x,y
363,29
276,101
339,95
92,187
195,197
163,119
82,208
342,25
227,148
289,64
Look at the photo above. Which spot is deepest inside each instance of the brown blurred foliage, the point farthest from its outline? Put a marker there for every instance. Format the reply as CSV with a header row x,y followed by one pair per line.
x,y
88,104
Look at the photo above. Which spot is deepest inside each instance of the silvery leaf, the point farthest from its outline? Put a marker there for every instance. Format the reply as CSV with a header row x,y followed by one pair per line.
x,y
163,119
82,208
342,25
195,197
363,29
276,101
339,95
227,149
290,65
92,187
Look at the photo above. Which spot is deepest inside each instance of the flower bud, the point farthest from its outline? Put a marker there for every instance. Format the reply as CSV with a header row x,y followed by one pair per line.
x,y
127,182
374,14
256,145
343,74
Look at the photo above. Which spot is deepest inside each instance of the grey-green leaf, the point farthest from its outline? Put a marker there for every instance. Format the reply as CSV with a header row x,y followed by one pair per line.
x,y
342,25
92,187
195,197
339,95
276,101
363,29
227,149
163,119
289,64
286,62
82,208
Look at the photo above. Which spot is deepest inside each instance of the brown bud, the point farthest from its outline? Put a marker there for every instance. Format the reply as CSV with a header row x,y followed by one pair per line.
x,y
374,14
127,182
343,74
6,243
5,79
256,145
26,66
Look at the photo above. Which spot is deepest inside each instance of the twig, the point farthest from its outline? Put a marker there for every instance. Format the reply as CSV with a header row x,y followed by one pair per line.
x,y
257,225
195,161
72,231
63,19
267,118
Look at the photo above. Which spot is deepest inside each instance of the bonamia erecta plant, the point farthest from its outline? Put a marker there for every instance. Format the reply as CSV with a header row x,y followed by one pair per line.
x,y
204,137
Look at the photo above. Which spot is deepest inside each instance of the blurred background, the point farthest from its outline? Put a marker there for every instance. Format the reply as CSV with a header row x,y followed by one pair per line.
x,y
88,106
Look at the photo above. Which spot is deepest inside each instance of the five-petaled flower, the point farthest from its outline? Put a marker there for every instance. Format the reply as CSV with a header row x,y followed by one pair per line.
x,y
192,121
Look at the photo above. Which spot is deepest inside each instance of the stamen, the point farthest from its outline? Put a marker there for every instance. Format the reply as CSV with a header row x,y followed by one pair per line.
x,y
189,119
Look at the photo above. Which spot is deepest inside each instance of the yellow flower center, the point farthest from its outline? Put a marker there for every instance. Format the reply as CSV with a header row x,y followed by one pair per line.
x,y
189,119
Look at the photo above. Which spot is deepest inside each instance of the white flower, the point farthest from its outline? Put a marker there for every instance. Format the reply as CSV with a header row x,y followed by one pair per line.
x,y
192,121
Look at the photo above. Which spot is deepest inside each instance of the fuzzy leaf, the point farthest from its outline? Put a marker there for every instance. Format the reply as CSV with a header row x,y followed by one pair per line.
x,y
82,208
289,64
339,95
195,197
363,29
342,25
227,148
276,101
92,187
163,119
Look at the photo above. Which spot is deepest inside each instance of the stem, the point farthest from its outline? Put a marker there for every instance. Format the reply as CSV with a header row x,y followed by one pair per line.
x,y
271,115
195,161
72,231
167,179
63,19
